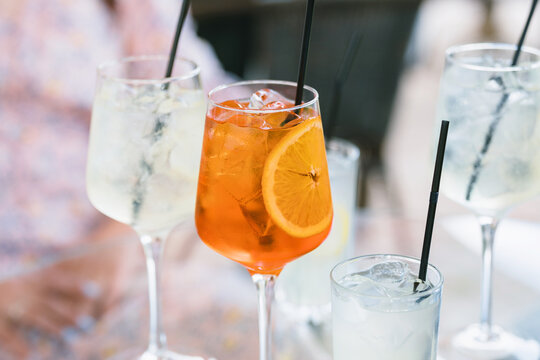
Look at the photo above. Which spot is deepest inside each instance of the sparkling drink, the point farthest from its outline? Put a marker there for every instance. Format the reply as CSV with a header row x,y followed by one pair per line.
x,y
144,153
473,87
145,137
377,314
492,160
303,287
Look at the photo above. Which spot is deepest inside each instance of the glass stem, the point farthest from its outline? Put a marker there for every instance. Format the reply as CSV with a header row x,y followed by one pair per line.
x,y
489,226
153,250
265,290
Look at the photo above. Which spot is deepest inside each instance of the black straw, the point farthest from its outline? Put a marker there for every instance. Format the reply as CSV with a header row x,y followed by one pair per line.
x,y
339,81
524,33
477,166
433,197
183,14
304,54
303,57
147,169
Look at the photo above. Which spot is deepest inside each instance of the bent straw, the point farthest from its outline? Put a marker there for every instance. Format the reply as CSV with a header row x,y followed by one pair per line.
x,y
477,166
433,197
303,58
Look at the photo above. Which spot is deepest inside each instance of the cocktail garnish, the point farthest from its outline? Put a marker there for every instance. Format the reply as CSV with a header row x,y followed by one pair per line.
x,y
295,182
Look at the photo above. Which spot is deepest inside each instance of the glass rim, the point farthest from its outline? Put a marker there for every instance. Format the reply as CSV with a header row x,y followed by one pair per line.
x,y
453,50
353,151
262,111
101,68
436,288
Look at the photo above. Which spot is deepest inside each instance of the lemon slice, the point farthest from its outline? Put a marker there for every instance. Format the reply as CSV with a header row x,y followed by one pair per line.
x,y
336,243
295,183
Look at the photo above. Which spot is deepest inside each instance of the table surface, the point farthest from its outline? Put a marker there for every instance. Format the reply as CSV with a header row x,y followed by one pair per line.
x,y
209,302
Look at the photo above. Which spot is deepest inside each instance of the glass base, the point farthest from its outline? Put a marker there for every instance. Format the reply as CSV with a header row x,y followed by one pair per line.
x,y
475,343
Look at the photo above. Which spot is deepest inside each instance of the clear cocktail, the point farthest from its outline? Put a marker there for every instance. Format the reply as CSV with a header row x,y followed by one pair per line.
x,y
492,160
479,91
144,152
145,140
377,314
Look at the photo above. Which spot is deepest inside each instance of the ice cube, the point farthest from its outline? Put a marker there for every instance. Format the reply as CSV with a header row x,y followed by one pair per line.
x,y
511,80
516,174
361,283
486,60
168,106
490,182
495,84
148,98
260,99
224,115
390,272
276,105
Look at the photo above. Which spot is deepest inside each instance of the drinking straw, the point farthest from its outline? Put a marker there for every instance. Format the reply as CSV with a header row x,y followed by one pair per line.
x,y
339,81
433,197
477,166
303,57
172,54
147,169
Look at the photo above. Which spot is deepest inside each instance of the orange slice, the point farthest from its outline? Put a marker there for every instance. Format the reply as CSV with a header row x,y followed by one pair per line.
x,y
295,183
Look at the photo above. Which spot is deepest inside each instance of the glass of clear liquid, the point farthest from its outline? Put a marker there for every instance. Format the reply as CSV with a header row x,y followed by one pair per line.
x,y
377,313
303,288
492,161
143,160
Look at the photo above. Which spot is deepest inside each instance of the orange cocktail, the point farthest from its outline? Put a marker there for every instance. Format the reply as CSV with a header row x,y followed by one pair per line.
x,y
244,188
263,196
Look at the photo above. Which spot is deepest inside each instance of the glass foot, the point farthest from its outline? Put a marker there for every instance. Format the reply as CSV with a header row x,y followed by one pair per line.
x,y
475,343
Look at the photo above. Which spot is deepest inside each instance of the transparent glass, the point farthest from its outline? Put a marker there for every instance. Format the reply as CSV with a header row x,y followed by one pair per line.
x,y
143,160
492,160
237,213
303,290
381,317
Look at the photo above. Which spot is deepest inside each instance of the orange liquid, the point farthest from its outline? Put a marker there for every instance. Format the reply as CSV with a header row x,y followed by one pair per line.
x,y
230,213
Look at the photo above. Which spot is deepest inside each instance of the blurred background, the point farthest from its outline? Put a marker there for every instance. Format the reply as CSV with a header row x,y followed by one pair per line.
x,y
387,108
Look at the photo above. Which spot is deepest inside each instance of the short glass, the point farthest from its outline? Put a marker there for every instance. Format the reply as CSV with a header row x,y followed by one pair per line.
x,y
372,322
302,288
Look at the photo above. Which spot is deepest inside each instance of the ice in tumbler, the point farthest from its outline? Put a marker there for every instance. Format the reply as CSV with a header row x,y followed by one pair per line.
x,y
378,314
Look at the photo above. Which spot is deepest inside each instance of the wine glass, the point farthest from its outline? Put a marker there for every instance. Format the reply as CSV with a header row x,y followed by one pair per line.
x,y
263,197
143,159
492,160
